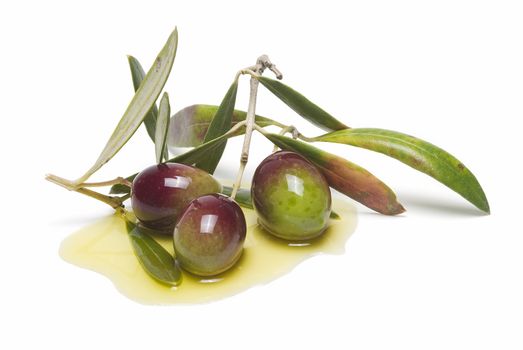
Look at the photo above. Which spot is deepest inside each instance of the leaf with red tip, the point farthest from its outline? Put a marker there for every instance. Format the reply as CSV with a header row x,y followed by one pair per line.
x,y
345,177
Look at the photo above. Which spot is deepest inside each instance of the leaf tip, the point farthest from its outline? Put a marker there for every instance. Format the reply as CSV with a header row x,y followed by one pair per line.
x,y
399,209
394,208
485,207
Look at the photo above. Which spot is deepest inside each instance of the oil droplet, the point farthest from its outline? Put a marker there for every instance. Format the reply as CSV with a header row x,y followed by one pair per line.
x,y
104,247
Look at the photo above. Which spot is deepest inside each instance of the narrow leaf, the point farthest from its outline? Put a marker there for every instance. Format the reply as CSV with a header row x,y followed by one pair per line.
x,y
149,121
155,260
344,176
418,154
191,157
220,124
137,74
140,105
122,189
243,196
189,125
162,126
301,105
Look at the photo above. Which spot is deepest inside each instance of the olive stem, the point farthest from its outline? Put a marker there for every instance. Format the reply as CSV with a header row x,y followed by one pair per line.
x,y
118,181
114,202
262,63
60,181
295,133
289,128
260,130
248,133
304,138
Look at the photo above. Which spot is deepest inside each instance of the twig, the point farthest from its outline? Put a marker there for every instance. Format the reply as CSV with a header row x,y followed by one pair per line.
x,y
118,181
290,128
262,63
114,202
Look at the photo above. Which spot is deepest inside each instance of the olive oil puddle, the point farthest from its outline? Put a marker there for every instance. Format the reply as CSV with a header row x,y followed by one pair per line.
x,y
104,247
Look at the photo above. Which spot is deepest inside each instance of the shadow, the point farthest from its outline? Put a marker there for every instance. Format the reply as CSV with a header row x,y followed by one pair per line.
x,y
413,201
364,211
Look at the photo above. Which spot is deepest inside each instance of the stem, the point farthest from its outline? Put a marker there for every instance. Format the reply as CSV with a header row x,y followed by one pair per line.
x,y
304,138
248,134
295,133
60,181
114,202
262,63
290,128
260,130
118,181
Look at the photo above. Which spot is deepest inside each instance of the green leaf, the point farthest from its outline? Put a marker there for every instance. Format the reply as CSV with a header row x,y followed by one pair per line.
x,y
162,126
344,176
301,105
190,124
243,198
139,106
122,189
220,124
155,260
418,154
137,74
191,157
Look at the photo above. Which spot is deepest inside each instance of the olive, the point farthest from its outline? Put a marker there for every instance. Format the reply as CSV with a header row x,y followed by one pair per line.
x,y
209,235
291,197
160,192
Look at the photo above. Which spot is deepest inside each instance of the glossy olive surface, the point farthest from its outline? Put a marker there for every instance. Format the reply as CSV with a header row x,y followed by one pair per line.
x,y
291,196
209,235
161,192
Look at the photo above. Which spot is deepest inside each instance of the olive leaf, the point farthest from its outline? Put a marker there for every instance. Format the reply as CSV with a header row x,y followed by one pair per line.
x,y
122,189
243,196
155,260
220,124
344,176
244,199
162,126
418,154
190,157
190,124
301,105
137,74
139,106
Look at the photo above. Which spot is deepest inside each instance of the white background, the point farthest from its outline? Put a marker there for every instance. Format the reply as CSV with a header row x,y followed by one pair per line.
x,y
440,276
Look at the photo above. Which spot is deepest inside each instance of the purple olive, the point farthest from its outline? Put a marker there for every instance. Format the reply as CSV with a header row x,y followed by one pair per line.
x,y
161,192
209,235
291,196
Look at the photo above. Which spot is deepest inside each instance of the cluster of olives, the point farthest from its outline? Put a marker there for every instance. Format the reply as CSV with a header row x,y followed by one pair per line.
x,y
290,195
